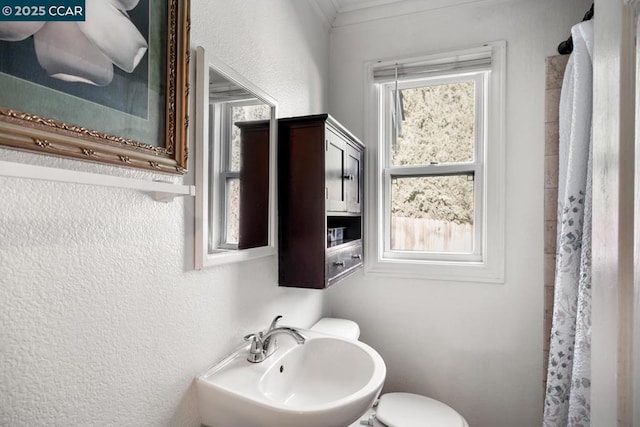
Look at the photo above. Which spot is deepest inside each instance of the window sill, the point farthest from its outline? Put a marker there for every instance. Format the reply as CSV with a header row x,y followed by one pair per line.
x,y
437,270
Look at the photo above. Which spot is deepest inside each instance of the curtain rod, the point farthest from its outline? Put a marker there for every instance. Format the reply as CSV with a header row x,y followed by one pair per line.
x,y
566,47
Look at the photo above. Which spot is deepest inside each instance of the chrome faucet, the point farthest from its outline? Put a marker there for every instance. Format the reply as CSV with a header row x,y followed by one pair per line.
x,y
264,344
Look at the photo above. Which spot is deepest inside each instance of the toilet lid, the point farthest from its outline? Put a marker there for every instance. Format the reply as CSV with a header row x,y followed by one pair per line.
x,y
412,410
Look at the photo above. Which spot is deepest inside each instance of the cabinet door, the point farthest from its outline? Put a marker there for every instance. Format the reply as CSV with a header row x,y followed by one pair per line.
x,y
335,156
352,178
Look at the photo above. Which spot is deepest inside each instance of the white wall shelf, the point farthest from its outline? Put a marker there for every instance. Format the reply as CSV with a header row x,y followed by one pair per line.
x,y
158,190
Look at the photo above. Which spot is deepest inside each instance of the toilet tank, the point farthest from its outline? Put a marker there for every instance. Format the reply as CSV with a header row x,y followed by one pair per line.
x,y
338,327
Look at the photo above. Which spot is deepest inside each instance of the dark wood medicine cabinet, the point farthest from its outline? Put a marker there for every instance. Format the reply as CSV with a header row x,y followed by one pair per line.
x,y
320,172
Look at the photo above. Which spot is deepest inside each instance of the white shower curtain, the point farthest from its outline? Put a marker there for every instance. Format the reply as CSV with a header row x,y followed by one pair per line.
x,y
567,399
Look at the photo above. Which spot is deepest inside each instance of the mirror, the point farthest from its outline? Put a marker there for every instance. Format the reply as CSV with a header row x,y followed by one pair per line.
x,y
235,166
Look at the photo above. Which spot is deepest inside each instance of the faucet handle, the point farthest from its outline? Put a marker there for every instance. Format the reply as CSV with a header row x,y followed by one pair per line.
x,y
271,343
256,354
256,340
274,322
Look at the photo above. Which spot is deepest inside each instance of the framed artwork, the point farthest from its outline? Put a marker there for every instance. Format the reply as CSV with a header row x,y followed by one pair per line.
x,y
110,89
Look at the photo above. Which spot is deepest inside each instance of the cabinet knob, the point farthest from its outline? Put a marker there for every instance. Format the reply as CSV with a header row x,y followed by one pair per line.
x,y
349,177
356,256
339,263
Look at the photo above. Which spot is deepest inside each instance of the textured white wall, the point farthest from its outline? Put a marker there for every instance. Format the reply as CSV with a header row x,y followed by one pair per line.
x,y
102,319
477,347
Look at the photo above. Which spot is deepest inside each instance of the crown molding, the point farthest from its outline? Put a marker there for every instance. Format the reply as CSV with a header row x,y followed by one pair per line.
x,y
342,13
350,6
375,10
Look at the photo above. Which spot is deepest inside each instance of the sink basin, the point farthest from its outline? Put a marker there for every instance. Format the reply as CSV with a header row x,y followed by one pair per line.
x,y
325,382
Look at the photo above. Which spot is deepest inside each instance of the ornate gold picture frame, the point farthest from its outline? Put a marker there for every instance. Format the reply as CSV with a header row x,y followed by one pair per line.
x,y
115,95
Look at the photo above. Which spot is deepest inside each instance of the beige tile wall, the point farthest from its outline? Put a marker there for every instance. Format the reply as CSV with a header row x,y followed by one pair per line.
x,y
555,66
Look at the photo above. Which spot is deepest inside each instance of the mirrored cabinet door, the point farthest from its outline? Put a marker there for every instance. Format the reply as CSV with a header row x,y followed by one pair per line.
x,y
253,204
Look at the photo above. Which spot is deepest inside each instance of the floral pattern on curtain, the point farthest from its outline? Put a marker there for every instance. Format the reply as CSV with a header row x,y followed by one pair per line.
x,y
567,399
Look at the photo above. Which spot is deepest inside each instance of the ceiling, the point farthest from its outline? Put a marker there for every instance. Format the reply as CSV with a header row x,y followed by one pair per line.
x,y
338,13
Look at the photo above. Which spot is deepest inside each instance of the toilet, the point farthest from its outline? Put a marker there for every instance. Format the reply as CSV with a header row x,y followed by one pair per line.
x,y
394,409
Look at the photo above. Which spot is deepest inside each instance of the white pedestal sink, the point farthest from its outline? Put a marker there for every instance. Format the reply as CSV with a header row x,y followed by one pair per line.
x,y
325,382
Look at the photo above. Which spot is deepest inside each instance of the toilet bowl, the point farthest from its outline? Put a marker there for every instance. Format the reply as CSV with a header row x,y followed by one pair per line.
x,y
394,409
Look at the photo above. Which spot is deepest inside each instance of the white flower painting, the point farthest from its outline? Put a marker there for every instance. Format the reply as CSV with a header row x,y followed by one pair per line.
x,y
110,88
85,51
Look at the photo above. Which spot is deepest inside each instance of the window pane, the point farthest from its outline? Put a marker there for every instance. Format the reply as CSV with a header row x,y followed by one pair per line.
x,y
437,124
233,211
242,114
432,214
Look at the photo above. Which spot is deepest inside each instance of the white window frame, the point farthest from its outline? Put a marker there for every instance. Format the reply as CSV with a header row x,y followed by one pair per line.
x,y
474,167
486,264
220,196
